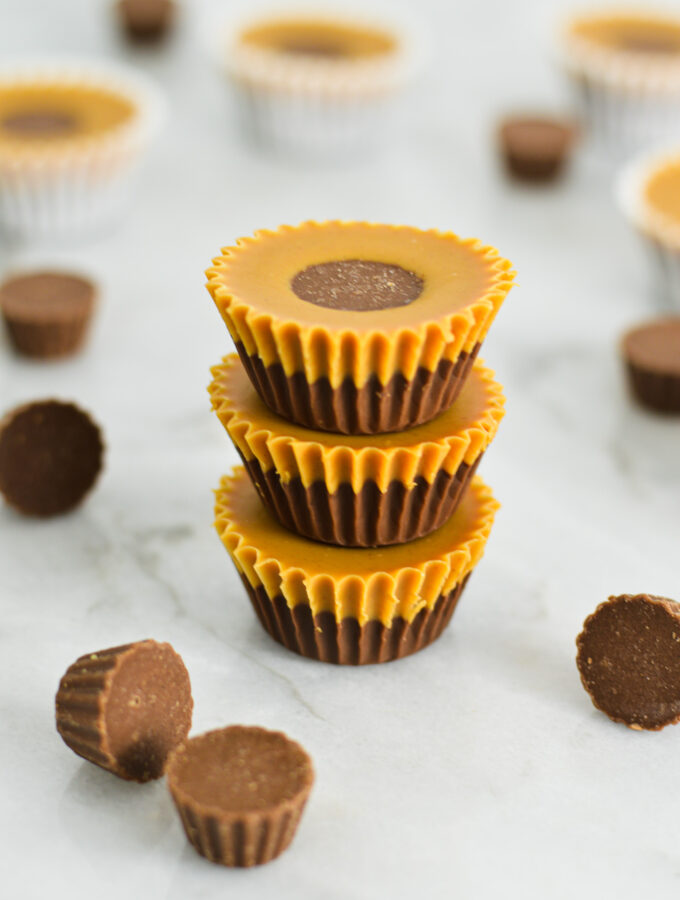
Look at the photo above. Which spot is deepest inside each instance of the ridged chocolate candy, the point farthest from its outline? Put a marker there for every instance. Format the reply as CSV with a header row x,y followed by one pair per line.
x,y
126,708
240,792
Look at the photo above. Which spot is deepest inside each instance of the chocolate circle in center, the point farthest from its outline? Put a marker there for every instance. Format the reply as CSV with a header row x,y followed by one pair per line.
x,y
640,43
321,48
360,285
40,123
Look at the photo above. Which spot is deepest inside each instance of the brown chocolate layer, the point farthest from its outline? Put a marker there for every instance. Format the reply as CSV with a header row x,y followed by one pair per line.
x,y
251,841
371,409
42,124
357,284
349,643
654,390
367,519
240,792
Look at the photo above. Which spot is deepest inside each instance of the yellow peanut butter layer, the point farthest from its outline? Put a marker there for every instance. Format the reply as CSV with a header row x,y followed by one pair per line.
x,y
318,38
365,584
629,32
458,286
661,197
458,435
44,115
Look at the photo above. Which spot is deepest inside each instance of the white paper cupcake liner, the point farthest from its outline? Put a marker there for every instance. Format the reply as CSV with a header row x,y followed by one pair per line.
x,y
627,100
86,184
307,107
622,122
660,237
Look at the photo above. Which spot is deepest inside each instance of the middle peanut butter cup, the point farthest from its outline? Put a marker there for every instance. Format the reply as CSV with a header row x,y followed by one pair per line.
x,y
358,328
359,490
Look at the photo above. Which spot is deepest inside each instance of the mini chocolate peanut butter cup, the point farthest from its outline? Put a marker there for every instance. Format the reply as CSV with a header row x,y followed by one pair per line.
x,y
50,457
359,490
146,21
47,313
124,709
652,356
240,793
629,660
535,148
358,328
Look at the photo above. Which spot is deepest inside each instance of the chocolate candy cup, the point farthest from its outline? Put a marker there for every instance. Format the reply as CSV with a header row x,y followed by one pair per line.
x,y
50,457
346,605
359,490
47,313
629,660
126,708
146,21
535,148
240,793
652,356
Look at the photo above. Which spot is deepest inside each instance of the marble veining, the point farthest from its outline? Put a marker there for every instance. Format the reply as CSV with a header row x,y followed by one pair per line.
x,y
475,769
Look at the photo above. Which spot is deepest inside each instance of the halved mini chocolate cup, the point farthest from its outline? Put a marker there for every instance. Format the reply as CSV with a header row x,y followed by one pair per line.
x,y
359,490
125,708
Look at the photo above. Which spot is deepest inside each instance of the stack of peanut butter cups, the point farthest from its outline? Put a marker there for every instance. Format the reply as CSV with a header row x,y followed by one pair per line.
x,y
361,411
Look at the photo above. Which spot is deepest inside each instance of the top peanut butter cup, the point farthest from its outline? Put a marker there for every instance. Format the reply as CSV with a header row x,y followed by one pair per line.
x,y
355,327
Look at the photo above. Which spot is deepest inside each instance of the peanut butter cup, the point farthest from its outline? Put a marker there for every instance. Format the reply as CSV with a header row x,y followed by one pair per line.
x,y
326,84
126,708
50,457
72,135
629,660
652,356
359,490
47,313
346,605
625,66
535,148
146,21
358,328
240,793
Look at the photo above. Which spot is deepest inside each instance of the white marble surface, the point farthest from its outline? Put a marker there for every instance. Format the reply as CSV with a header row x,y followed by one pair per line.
x,y
477,769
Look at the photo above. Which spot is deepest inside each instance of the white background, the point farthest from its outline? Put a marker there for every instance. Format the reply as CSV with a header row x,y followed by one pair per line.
x,y
476,769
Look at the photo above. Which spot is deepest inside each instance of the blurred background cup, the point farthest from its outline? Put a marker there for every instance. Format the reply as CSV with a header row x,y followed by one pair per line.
x,y
73,134
647,191
625,69
324,81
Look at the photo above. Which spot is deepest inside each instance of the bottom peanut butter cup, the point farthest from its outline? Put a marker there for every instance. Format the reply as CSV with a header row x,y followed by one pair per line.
x,y
349,605
126,708
629,660
240,793
359,490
